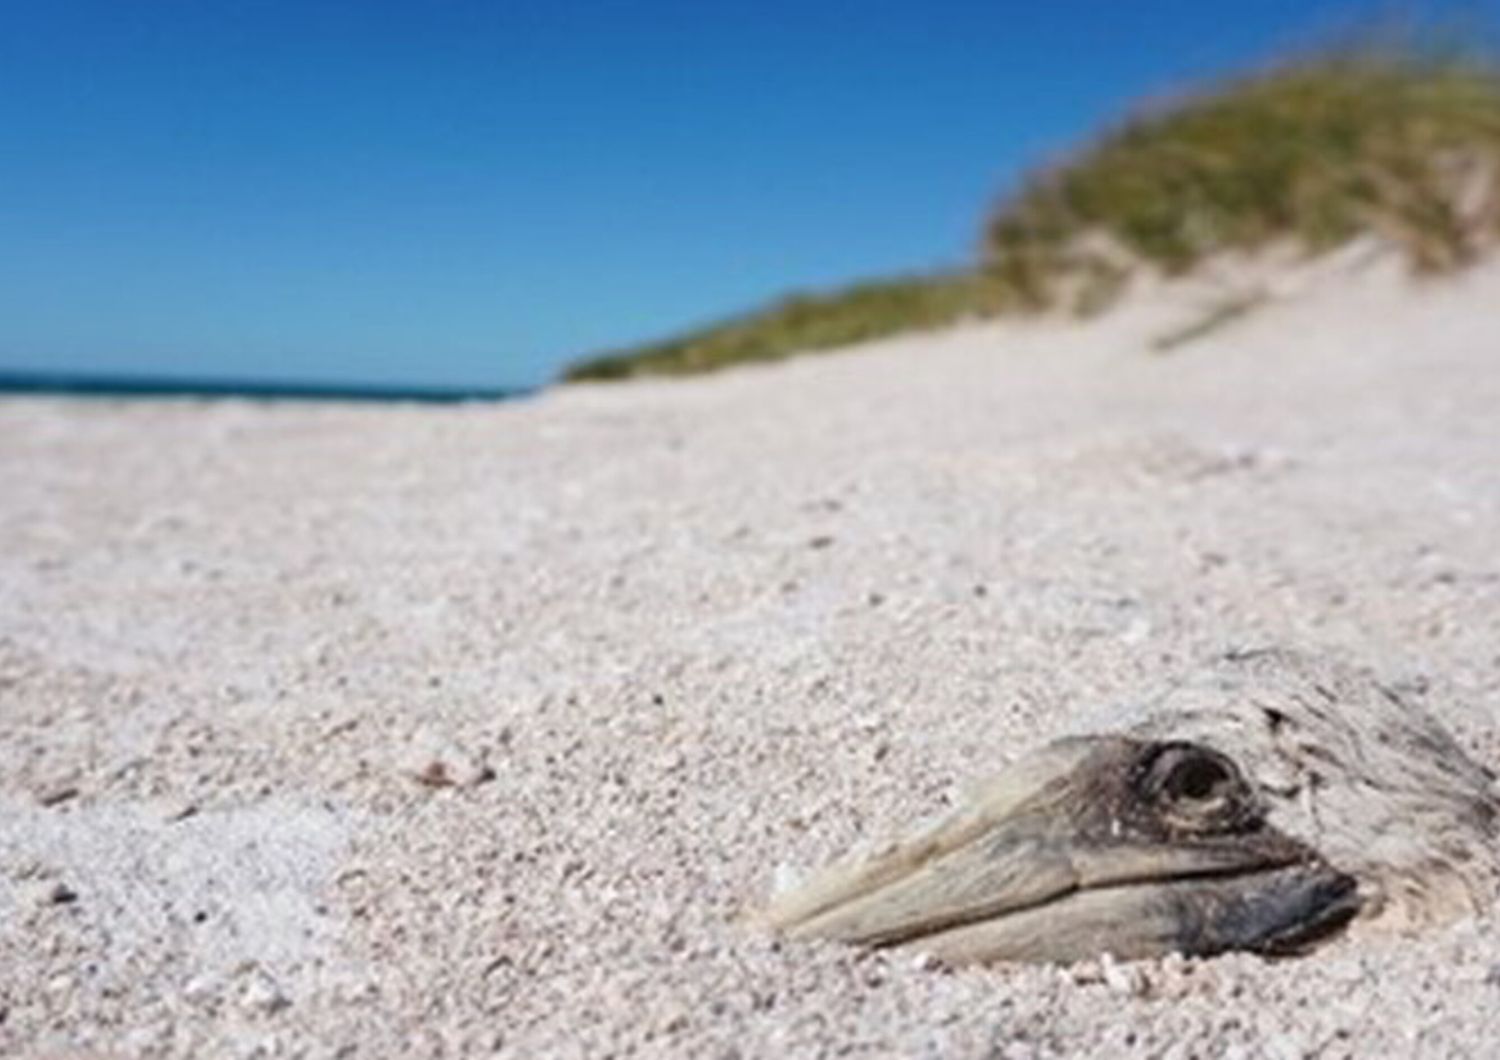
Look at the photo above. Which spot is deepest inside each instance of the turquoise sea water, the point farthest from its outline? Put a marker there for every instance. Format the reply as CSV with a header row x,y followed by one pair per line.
x,y
129,386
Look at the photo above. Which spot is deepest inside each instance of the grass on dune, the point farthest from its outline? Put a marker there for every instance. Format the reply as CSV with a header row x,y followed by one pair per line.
x,y
1402,141
1403,144
801,323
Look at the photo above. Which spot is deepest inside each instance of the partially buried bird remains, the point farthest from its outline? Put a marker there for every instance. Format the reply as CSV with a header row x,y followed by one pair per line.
x,y
1263,807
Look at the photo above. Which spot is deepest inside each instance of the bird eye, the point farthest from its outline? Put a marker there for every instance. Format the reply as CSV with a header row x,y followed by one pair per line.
x,y
1195,788
1197,778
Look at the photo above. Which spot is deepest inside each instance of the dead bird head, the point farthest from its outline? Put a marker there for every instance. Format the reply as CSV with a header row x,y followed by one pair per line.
x,y
1261,807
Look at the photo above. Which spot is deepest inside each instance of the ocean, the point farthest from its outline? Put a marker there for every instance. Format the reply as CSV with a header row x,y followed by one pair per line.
x,y
134,386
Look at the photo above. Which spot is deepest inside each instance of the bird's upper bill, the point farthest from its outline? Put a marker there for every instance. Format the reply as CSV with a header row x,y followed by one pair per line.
x,y
1096,844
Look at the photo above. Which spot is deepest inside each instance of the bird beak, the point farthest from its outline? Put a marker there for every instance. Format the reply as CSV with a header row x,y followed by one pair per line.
x,y
1086,848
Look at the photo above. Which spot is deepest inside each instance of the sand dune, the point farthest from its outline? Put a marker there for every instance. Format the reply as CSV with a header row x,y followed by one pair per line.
x,y
450,731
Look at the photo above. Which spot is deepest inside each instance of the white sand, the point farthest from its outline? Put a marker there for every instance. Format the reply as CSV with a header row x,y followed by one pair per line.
x,y
669,638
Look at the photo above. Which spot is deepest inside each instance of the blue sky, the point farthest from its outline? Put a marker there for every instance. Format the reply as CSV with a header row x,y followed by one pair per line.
x,y
463,193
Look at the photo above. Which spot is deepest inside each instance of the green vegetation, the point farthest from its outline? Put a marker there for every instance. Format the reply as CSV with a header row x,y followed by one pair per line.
x,y
801,323
1402,141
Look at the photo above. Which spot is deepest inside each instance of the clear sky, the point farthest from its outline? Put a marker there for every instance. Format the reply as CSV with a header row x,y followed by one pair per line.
x,y
467,193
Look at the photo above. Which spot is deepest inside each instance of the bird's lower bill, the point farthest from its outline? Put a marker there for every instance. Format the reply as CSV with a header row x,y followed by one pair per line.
x,y
1281,911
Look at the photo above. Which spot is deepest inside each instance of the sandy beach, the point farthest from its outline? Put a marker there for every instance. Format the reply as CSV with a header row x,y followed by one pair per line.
x,y
339,731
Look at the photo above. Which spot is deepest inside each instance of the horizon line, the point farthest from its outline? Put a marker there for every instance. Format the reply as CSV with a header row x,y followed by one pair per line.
x,y
146,386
